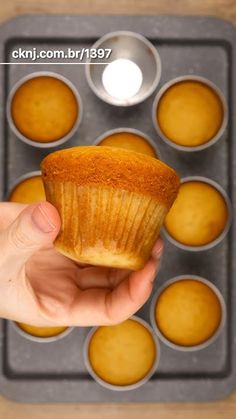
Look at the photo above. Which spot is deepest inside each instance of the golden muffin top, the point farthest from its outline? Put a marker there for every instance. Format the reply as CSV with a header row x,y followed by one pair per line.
x,y
43,332
199,214
188,312
129,141
44,109
122,354
112,167
190,113
28,191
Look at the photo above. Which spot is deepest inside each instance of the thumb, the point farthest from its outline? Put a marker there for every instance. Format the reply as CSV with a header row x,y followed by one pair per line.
x,y
36,226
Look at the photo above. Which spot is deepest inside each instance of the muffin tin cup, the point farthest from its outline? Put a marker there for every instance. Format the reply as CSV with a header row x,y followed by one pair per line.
x,y
227,226
138,45
173,345
125,387
20,179
130,131
50,144
222,130
40,339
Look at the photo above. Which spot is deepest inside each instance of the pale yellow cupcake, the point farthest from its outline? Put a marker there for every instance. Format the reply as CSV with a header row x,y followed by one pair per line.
x,y
42,332
112,203
44,109
28,191
188,312
198,216
190,113
129,141
123,354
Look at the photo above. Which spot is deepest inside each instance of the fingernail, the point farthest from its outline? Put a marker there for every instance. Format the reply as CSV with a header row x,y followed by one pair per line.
x,y
158,249
41,219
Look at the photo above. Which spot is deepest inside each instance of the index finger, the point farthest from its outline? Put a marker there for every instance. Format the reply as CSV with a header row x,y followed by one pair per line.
x,y
98,306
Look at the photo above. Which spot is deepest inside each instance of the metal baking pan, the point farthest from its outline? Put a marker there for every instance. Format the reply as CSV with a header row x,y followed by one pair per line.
x,y
55,372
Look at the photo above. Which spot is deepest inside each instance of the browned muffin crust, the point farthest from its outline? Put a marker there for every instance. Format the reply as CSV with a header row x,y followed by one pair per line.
x,y
112,167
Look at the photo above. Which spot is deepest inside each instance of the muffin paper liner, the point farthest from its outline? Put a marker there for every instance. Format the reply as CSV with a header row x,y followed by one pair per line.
x,y
105,226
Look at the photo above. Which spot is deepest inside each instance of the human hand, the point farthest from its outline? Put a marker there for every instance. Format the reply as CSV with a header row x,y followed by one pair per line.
x,y
40,286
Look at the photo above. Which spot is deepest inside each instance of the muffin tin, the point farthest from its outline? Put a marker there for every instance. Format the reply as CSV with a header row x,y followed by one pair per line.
x,y
18,182
205,82
162,336
52,143
41,339
227,226
133,131
55,371
134,385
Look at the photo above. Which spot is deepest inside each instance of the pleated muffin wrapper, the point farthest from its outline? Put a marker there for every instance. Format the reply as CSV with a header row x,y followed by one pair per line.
x,y
105,226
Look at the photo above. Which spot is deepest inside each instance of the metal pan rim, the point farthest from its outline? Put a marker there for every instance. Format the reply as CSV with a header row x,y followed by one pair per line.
x,y
141,38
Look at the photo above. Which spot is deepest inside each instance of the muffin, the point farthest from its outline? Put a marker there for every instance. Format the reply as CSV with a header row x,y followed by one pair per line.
x,y
28,191
42,332
188,312
190,113
129,141
123,354
199,215
44,109
112,203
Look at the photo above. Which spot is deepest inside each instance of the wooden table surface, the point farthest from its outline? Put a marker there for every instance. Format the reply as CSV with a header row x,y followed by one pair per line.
x,y
225,9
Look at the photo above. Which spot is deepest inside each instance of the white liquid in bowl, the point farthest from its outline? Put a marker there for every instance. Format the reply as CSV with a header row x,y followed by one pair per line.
x,y
122,79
